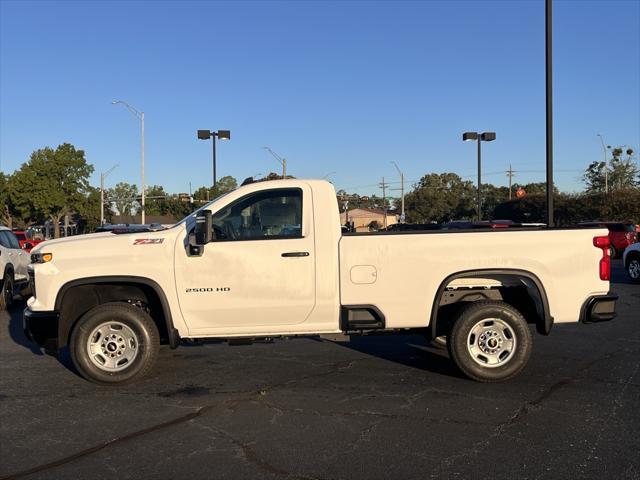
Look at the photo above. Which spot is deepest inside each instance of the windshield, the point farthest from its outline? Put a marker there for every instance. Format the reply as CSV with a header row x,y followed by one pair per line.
x,y
190,219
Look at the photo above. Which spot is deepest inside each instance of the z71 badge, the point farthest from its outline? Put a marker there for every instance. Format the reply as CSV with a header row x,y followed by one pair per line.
x,y
148,241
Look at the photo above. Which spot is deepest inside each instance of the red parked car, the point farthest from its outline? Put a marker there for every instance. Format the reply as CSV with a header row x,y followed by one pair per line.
x,y
621,234
26,243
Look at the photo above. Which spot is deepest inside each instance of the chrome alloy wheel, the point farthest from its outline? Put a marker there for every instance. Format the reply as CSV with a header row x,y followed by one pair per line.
x,y
634,269
112,346
491,342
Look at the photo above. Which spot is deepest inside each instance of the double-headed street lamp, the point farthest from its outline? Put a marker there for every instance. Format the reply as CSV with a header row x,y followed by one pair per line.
x,y
222,135
480,137
140,116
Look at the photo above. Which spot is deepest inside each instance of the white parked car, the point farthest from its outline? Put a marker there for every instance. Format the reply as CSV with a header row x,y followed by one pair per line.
x,y
13,266
631,261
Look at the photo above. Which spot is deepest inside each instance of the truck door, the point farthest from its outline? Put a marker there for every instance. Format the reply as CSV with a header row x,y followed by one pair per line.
x,y
258,272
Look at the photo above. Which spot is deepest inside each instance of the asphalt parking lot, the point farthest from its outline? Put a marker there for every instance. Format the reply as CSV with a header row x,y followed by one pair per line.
x,y
373,408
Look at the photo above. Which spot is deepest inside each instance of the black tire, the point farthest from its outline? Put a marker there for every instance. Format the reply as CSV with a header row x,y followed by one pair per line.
x,y
125,358
613,252
490,341
633,267
7,291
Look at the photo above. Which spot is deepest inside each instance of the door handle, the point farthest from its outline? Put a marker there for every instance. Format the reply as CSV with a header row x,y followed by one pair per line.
x,y
295,254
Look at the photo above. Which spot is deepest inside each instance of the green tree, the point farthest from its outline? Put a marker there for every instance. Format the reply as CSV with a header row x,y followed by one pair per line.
x,y
156,200
7,209
52,184
88,215
167,204
594,177
491,197
440,197
622,173
224,185
124,195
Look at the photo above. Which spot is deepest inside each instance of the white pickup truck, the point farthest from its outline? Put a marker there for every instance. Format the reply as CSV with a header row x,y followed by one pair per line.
x,y
269,259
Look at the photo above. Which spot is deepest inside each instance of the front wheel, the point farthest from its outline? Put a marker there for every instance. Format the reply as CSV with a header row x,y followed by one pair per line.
x,y
490,341
114,344
6,291
633,268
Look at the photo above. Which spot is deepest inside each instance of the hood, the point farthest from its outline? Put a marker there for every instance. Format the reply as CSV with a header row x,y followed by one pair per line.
x,y
95,243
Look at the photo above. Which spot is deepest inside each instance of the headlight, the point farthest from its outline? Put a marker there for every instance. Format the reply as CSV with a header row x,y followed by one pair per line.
x,y
41,257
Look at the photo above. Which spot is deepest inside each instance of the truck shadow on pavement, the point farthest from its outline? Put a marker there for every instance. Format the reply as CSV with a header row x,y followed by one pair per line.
x,y
409,350
16,332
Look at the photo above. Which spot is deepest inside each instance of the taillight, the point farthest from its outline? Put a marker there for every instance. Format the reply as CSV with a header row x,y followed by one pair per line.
x,y
603,243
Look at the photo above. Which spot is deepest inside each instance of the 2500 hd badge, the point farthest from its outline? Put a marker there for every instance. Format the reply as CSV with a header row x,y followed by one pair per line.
x,y
208,289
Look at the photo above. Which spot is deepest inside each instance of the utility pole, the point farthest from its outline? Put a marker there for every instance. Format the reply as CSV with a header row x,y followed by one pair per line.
x,y
104,175
384,185
510,174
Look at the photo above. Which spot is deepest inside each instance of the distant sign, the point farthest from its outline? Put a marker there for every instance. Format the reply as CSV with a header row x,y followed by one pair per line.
x,y
520,193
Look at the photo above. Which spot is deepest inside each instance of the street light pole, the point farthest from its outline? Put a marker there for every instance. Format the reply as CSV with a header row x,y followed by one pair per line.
x,y
213,143
479,180
206,135
283,161
140,116
142,219
606,169
104,175
480,137
402,217
548,24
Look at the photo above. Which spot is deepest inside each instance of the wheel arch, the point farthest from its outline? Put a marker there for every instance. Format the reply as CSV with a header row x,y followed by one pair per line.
x,y
78,296
543,321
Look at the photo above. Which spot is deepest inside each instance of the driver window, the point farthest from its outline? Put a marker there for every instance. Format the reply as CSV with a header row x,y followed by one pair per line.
x,y
264,215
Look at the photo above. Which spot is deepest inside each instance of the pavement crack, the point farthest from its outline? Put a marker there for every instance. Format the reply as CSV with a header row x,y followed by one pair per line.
x,y
519,414
101,446
250,455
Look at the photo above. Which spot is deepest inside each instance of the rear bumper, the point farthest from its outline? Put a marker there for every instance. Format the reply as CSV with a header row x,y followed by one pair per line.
x,y
599,308
41,328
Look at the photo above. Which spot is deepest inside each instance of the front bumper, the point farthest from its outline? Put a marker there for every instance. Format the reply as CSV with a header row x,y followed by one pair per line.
x,y
41,328
599,308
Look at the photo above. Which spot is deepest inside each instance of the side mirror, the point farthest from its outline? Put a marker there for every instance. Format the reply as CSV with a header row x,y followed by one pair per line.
x,y
204,228
27,246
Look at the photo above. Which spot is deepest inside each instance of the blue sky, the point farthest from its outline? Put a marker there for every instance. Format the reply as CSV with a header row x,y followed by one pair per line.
x,y
331,86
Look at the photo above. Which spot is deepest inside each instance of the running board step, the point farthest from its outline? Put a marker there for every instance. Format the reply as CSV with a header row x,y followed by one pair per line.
x,y
361,317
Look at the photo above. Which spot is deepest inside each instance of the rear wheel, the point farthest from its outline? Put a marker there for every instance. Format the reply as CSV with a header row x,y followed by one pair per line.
x,y
633,268
7,291
114,343
613,253
490,341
